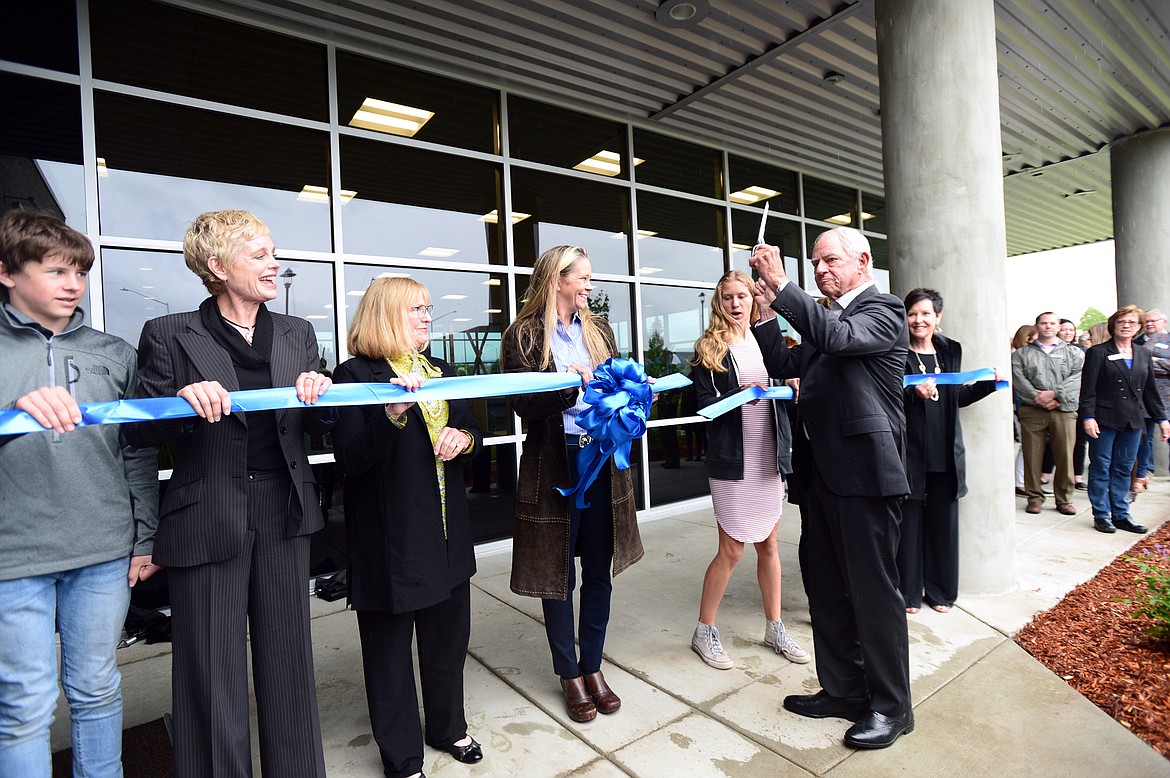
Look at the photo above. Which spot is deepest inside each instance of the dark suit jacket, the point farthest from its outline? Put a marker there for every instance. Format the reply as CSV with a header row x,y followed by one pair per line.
x,y
725,433
951,398
399,560
204,513
850,368
1114,394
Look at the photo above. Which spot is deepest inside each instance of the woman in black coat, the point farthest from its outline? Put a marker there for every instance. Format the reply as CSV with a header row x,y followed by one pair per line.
x,y
408,531
928,552
1117,394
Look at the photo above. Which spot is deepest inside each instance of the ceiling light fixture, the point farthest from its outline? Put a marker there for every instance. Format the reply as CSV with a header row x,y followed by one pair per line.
x,y
682,13
394,118
440,253
494,217
605,163
832,78
847,219
752,194
319,194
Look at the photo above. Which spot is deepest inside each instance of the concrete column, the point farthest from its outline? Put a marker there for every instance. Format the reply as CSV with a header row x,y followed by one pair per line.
x,y
944,202
1140,166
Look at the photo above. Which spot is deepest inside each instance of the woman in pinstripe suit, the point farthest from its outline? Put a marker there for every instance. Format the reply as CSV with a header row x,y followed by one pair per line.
x,y
238,511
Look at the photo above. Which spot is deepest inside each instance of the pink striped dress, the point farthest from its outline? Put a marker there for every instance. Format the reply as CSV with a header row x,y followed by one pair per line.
x,y
748,510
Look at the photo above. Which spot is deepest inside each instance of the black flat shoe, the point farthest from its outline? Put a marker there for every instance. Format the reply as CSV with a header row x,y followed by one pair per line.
x,y
823,706
1130,526
468,754
878,731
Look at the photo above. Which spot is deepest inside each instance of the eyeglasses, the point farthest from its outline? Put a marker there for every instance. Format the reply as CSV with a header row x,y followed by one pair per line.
x,y
1126,323
419,310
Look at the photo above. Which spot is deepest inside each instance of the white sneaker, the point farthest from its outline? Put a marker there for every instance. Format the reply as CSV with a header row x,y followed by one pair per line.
x,y
706,644
777,638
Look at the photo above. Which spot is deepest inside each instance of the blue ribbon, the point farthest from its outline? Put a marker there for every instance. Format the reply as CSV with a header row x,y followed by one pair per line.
x,y
745,396
619,398
952,379
159,408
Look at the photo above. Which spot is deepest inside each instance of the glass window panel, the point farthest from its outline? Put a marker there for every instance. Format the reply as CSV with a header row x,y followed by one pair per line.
x,y
557,136
490,478
875,206
142,285
463,115
745,227
673,318
679,238
830,202
40,148
752,183
811,231
161,47
673,477
676,164
411,203
166,164
555,210
42,34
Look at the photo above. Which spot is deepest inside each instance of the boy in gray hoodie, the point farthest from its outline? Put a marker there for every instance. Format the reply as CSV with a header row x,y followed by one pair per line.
x,y
78,507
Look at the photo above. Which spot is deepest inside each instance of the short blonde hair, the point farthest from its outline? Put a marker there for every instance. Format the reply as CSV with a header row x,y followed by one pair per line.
x,y
218,234
380,327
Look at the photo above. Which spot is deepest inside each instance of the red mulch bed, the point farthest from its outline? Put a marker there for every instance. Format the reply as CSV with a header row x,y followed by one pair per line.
x,y
1092,641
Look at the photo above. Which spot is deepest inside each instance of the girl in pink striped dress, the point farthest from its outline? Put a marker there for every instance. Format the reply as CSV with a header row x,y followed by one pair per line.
x,y
744,448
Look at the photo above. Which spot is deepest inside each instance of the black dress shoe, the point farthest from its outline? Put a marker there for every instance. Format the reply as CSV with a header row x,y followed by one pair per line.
x,y
1103,525
878,731
1130,526
468,754
822,706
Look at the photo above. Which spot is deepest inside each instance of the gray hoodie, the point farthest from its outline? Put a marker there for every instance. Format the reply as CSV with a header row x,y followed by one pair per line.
x,y
85,497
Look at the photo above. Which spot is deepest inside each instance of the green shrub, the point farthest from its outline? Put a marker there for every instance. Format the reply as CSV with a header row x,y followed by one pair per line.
x,y
1153,590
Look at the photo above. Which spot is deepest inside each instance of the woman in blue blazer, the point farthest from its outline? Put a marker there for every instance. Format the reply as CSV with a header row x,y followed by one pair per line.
x,y
1117,393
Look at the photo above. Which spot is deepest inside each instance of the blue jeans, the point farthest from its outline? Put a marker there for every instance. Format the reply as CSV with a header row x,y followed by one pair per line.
x,y
88,606
1145,457
1111,458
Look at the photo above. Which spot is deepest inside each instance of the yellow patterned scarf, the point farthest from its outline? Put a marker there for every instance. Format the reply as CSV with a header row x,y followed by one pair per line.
x,y
435,413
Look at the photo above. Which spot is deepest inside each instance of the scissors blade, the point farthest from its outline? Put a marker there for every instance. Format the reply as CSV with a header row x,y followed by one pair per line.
x,y
763,224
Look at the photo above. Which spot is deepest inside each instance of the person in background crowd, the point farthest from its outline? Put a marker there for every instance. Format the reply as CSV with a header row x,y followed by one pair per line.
x,y
555,331
1117,388
746,447
238,510
1025,334
1157,341
1046,378
78,507
928,550
1068,333
411,555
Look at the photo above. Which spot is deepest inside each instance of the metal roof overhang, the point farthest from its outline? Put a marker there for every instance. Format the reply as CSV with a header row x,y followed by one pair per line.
x,y
750,76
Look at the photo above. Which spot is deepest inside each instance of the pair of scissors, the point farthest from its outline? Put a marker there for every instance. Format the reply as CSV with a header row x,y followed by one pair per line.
x,y
763,225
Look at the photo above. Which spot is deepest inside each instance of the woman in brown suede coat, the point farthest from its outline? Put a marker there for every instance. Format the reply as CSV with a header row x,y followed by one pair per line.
x,y
556,332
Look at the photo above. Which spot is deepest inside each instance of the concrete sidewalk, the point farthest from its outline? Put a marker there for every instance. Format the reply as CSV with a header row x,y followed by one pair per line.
x,y
982,705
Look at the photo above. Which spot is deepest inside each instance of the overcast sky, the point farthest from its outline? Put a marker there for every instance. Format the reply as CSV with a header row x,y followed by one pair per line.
x,y
1065,281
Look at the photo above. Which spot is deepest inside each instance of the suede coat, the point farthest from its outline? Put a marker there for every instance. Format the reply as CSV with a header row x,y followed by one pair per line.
x,y
540,539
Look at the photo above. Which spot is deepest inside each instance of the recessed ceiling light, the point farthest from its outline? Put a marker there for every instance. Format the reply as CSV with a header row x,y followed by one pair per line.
x,y
388,274
832,78
752,194
356,292
461,318
102,170
606,163
494,310
316,316
394,118
646,233
491,282
311,193
740,247
649,271
453,297
493,217
682,13
435,251
846,219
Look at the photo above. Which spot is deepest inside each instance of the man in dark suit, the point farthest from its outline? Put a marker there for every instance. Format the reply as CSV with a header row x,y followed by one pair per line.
x,y
848,457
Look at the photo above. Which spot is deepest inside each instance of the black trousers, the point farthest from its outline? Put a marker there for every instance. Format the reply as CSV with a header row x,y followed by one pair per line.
x,y
928,552
848,561
443,631
215,607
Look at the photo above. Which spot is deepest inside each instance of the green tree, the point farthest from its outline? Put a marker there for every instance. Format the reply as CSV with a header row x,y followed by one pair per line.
x,y
599,305
1091,316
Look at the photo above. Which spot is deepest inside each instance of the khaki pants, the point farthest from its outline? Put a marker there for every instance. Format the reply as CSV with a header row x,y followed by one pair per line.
x,y
1037,426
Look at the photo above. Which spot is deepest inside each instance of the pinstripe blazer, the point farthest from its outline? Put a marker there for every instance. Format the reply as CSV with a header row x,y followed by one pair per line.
x,y
204,513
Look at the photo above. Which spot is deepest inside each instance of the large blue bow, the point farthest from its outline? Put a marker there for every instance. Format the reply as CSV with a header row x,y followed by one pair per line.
x,y
619,397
